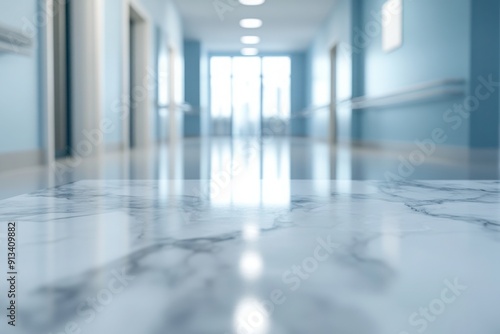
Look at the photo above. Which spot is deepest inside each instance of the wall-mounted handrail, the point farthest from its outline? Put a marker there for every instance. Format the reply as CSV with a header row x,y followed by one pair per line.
x,y
183,107
417,93
13,41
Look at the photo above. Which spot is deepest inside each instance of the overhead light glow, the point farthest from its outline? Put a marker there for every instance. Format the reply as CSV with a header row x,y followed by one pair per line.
x,y
251,265
251,316
251,23
251,232
250,40
252,2
249,51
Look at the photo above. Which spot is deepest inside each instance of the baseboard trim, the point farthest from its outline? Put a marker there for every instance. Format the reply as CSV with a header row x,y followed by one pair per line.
x,y
24,159
443,153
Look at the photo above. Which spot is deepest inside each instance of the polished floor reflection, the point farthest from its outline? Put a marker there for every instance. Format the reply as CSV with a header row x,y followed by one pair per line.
x,y
273,257
252,159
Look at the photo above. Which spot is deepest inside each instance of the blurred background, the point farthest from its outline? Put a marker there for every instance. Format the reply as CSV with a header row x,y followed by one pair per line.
x,y
276,89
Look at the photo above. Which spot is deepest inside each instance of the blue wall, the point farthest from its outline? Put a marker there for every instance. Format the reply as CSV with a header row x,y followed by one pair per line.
x,y
20,111
436,46
485,64
442,39
299,121
192,86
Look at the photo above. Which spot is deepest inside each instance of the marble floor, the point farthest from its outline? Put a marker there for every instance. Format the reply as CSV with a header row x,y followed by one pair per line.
x,y
158,256
234,238
275,158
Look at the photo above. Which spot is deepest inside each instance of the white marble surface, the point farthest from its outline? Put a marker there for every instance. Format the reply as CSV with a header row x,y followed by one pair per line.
x,y
321,256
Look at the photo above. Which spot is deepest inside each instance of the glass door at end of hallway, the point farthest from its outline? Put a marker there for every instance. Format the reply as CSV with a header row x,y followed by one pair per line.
x,y
248,95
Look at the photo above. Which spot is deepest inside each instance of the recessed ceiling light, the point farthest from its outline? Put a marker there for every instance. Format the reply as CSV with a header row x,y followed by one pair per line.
x,y
250,40
252,2
249,51
251,23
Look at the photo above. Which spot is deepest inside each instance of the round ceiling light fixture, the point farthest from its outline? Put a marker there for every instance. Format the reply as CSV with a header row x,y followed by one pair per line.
x,y
252,2
251,23
250,40
249,51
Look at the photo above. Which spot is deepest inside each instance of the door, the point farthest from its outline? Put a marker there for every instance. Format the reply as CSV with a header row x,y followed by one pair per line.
x,y
276,95
246,90
139,78
162,84
62,82
174,114
221,96
250,96
132,78
333,96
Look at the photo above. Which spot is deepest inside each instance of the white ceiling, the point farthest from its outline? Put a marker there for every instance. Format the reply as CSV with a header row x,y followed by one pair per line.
x,y
289,25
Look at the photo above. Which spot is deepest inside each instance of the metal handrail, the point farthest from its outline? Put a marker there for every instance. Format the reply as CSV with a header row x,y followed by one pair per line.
x,y
183,107
416,93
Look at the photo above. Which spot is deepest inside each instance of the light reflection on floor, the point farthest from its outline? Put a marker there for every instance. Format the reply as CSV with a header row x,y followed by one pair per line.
x,y
244,160
324,257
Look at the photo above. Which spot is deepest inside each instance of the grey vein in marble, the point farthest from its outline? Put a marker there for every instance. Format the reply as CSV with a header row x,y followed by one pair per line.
x,y
208,265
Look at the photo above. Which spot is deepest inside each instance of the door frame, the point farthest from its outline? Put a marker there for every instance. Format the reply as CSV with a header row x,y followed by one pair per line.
x,y
48,94
61,21
143,75
173,107
86,64
332,129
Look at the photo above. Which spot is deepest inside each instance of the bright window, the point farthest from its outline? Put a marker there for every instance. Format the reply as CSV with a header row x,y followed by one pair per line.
x,y
248,91
276,82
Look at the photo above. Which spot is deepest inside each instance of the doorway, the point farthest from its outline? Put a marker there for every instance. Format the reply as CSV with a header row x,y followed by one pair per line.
x,y
333,97
163,86
132,78
62,79
174,116
248,95
137,80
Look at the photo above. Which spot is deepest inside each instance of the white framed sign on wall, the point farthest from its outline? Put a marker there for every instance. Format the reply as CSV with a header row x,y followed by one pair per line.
x,y
392,25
